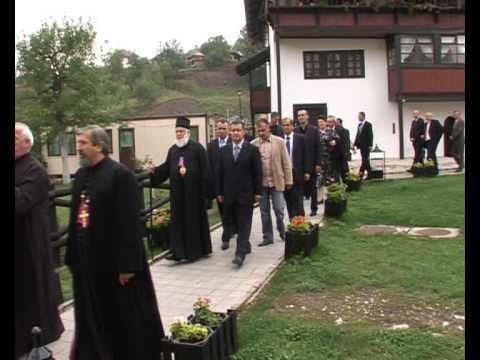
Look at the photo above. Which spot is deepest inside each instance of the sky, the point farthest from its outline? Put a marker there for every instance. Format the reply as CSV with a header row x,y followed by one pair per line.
x,y
139,25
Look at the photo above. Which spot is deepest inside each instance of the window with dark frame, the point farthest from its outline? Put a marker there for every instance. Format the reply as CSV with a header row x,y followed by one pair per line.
x,y
194,133
53,146
334,64
416,49
453,49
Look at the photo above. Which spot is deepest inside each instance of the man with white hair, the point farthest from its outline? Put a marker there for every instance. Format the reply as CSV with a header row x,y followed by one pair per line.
x,y
35,303
187,168
433,133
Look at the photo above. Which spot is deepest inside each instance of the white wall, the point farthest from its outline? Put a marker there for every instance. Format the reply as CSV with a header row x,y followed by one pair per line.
x,y
152,137
273,71
344,97
440,111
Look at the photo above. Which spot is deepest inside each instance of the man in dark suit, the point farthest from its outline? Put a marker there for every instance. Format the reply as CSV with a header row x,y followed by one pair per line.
x,y
417,136
213,153
275,126
239,179
301,165
364,142
344,134
312,144
433,133
458,140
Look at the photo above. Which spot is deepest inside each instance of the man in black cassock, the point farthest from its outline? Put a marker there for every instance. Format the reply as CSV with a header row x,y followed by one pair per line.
x,y
35,303
187,168
116,314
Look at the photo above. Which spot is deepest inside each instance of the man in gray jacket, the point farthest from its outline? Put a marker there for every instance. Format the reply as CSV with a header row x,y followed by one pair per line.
x,y
458,140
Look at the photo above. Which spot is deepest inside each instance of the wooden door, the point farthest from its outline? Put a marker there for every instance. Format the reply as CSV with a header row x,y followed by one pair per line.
x,y
314,111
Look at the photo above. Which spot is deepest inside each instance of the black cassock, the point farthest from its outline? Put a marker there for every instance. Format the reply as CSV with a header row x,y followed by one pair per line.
x,y
112,322
35,303
190,234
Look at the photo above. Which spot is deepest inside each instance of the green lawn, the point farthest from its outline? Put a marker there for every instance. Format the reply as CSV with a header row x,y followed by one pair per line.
x,y
421,273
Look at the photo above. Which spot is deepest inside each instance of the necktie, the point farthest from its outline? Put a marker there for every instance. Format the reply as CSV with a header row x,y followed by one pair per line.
x,y
236,151
222,143
288,144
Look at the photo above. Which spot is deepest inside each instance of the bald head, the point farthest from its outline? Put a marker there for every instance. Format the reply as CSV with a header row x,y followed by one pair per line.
x,y
23,140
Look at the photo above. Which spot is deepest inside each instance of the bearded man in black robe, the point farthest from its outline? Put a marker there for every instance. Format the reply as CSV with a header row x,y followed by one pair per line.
x,y
35,303
187,168
116,314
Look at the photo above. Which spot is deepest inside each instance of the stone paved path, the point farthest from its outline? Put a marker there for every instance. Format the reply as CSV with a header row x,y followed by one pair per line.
x,y
178,285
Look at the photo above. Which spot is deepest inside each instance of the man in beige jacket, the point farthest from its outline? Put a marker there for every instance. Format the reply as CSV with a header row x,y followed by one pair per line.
x,y
277,177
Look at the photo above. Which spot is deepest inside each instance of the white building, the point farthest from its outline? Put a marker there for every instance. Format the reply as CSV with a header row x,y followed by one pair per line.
x,y
332,59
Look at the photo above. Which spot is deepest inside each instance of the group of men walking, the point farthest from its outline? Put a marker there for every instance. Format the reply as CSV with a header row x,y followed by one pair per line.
x,y
116,313
426,135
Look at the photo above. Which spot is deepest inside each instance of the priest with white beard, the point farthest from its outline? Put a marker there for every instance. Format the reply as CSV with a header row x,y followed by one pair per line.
x,y
187,168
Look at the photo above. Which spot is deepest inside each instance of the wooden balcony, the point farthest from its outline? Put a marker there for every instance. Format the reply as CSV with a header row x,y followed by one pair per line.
x,y
427,83
355,19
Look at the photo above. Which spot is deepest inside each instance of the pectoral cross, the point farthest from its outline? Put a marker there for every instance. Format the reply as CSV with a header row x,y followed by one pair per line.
x,y
83,211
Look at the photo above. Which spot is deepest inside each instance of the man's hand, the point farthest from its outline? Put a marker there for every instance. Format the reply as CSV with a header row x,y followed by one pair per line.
x,y
257,198
149,167
306,177
412,139
317,168
288,186
422,136
220,198
124,278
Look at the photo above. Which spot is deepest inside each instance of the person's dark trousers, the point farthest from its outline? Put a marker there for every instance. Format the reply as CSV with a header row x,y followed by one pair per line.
x,y
419,152
294,200
365,153
221,212
431,151
238,219
313,193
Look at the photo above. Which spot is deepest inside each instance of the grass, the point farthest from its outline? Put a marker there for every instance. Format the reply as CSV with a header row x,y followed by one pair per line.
x,y
418,269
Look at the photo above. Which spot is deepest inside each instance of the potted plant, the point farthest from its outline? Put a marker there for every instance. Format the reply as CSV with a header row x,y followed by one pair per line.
x,y
301,236
429,168
336,202
188,341
159,227
223,325
418,170
220,342
353,182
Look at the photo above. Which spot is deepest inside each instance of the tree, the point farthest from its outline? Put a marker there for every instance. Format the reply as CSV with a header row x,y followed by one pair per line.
x,y
56,65
216,51
171,53
245,45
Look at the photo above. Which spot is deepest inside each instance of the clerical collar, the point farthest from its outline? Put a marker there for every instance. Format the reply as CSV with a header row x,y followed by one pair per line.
x,y
95,166
24,156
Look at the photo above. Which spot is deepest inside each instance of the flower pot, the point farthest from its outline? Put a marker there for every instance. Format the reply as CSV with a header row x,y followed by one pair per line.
x,y
202,350
297,243
353,185
224,337
430,171
314,235
376,174
335,209
161,236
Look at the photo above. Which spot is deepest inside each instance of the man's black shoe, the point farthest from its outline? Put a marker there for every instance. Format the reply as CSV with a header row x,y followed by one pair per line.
x,y
313,213
264,243
282,236
238,260
225,245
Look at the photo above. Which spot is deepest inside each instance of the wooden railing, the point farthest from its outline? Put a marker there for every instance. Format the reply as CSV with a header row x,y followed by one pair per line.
x,y
458,4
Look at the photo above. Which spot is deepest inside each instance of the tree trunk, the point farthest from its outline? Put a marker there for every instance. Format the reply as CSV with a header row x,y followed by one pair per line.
x,y
64,152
